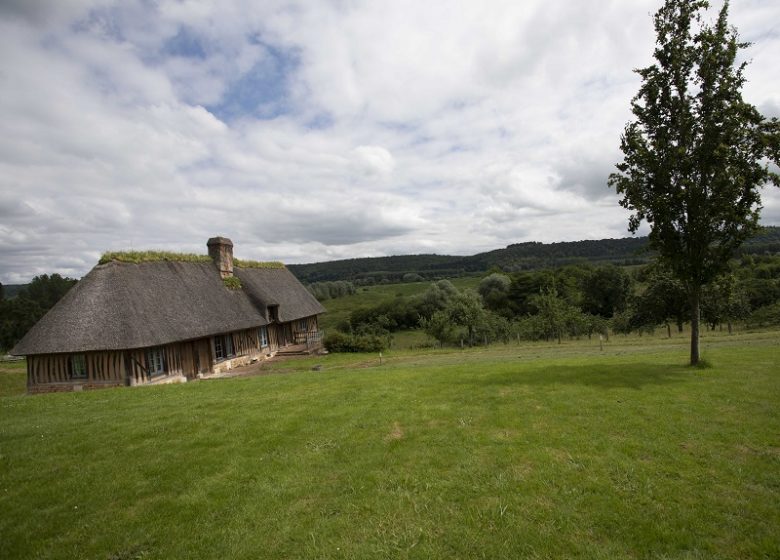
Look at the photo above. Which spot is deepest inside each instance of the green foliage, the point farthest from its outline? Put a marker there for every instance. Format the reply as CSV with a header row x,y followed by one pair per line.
x,y
365,342
232,283
605,290
329,290
514,258
664,300
494,290
440,327
556,317
137,257
46,290
767,316
724,301
436,297
465,310
694,158
241,263
587,301
19,314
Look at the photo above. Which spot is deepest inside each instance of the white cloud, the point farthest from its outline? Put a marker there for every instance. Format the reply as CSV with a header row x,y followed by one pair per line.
x,y
318,130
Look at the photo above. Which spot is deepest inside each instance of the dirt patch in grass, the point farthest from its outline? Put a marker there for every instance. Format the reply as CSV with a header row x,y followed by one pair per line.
x,y
396,433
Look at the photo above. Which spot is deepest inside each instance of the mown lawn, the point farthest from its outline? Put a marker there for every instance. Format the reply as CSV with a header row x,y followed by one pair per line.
x,y
13,379
534,451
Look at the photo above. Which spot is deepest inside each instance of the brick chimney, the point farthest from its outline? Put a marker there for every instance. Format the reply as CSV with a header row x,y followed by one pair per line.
x,y
221,252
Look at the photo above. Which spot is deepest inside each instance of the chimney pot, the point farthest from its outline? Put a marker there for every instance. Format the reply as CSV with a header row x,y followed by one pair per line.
x,y
221,252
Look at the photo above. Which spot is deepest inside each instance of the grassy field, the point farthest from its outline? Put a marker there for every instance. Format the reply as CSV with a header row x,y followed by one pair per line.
x,y
531,451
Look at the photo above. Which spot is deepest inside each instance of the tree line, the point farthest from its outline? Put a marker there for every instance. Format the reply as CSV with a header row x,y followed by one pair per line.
x,y
566,302
20,313
516,257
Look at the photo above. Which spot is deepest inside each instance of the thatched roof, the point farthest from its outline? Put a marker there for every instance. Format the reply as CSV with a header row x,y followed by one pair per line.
x,y
121,305
278,286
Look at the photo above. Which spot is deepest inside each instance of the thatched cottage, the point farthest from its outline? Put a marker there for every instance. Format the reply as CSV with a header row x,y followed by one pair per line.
x,y
141,318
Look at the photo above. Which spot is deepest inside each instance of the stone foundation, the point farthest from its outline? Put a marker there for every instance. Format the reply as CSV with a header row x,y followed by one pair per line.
x,y
226,365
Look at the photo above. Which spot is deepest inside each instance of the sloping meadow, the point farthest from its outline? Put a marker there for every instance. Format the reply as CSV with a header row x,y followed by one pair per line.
x,y
453,454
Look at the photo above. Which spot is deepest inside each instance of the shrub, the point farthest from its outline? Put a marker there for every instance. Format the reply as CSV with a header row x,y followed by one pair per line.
x,y
340,342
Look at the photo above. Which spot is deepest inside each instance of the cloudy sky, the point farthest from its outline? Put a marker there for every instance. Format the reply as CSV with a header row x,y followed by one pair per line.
x,y
322,129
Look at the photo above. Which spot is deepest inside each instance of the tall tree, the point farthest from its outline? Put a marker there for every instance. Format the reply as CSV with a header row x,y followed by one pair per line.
x,y
697,153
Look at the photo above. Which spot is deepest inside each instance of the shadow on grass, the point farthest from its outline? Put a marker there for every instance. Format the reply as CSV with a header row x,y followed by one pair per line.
x,y
607,376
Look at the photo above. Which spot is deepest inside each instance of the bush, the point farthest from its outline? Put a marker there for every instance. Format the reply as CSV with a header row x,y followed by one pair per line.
x,y
340,342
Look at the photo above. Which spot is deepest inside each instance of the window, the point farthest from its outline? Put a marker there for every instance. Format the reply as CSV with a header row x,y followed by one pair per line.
x,y
303,325
223,347
154,361
263,336
219,348
78,366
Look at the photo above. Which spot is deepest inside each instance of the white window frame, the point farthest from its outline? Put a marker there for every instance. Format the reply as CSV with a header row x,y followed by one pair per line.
x,y
155,363
219,348
263,336
78,366
223,344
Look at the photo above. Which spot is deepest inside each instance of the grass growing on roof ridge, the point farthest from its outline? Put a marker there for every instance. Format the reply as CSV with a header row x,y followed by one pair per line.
x,y
630,455
241,263
137,257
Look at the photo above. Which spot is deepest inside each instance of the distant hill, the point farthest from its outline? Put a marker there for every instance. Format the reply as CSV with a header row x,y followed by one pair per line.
x,y
519,256
10,290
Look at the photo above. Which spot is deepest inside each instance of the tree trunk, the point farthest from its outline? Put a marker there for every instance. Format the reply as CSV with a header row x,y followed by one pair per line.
x,y
695,314
668,330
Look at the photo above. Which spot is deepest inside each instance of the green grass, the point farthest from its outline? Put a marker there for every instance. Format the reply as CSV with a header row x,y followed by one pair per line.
x,y
232,282
371,296
13,378
137,257
241,263
531,451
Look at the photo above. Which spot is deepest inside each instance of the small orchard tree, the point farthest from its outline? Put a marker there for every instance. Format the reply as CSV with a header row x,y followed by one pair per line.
x,y
697,153
466,310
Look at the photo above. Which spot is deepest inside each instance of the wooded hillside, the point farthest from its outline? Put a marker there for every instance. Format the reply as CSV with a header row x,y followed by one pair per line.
x,y
515,257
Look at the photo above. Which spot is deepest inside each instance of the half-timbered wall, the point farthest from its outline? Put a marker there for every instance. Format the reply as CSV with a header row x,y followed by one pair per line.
x,y
54,372
181,359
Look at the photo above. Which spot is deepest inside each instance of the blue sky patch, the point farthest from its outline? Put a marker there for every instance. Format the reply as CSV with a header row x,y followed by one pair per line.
x,y
185,44
263,91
